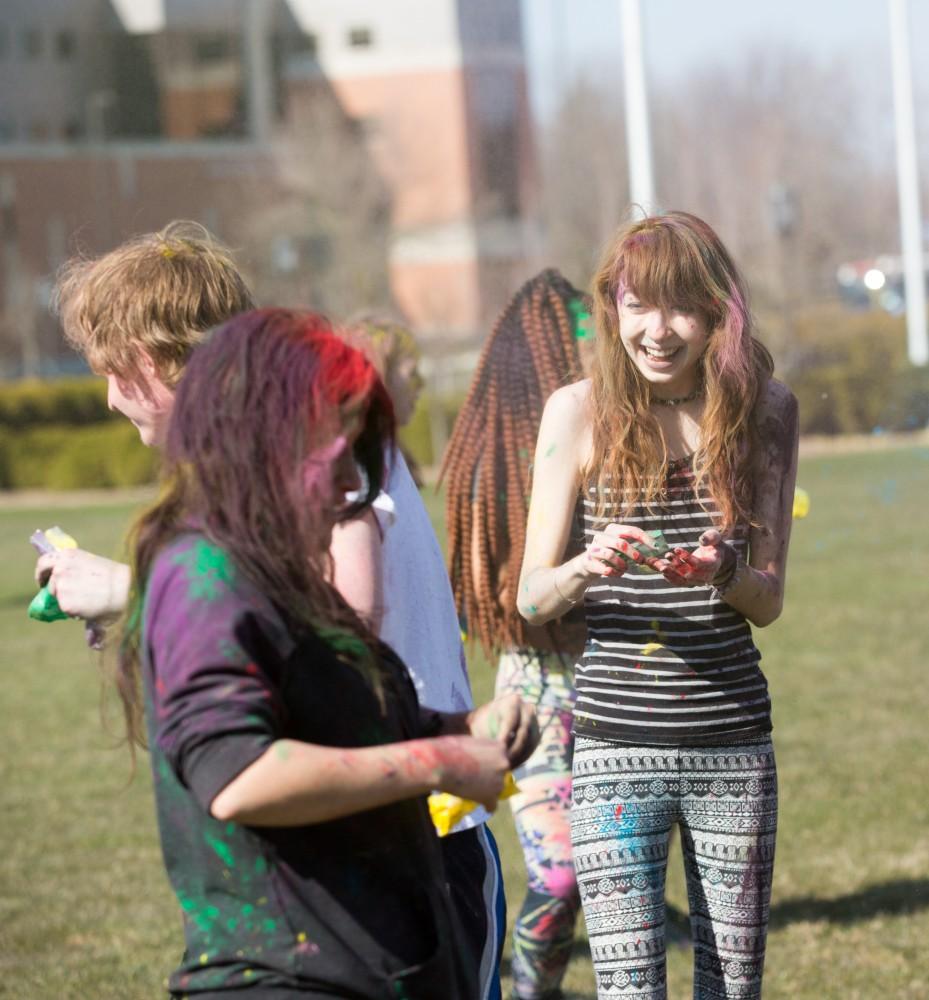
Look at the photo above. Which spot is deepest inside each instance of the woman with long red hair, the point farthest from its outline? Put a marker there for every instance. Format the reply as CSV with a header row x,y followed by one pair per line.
x,y
683,448
290,757
538,344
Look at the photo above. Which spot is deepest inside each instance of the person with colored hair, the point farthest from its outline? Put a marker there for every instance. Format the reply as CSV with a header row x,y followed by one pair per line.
x,y
683,448
388,565
290,756
534,349
136,313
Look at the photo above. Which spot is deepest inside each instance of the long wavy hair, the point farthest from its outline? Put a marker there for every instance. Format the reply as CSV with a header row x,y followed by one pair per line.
x,y
531,352
257,402
676,261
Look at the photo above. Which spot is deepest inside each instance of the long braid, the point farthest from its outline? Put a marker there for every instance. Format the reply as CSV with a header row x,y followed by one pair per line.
x,y
531,351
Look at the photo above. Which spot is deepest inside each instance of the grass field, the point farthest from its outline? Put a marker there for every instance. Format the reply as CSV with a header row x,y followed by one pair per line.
x,y
85,910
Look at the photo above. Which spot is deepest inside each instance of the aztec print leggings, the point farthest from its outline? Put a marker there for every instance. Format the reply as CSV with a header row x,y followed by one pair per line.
x,y
544,930
625,802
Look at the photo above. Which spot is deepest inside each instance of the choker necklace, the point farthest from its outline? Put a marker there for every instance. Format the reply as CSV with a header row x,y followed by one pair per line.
x,y
678,400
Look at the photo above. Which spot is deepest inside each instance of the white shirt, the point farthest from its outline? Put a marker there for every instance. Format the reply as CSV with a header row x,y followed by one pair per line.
x,y
420,621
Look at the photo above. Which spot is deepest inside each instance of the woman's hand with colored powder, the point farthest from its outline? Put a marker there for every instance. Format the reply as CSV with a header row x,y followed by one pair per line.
x,y
511,721
619,546
699,566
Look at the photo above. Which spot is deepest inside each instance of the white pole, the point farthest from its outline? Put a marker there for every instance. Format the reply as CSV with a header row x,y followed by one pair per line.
x,y
256,23
914,276
638,140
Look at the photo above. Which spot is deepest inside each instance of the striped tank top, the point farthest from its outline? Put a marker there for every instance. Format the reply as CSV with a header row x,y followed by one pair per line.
x,y
666,665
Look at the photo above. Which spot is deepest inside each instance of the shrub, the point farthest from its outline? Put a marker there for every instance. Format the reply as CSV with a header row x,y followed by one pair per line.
x,y
851,374
417,435
32,402
56,457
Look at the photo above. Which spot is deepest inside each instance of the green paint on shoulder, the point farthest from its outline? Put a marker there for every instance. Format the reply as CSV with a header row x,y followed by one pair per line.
x,y
550,451
209,569
281,749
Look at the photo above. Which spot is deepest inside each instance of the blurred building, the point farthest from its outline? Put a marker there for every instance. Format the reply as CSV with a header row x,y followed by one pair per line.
x,y
440,90
109,126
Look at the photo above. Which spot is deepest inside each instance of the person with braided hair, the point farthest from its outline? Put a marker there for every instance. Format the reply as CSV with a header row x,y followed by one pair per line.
x,y
535,347
684,449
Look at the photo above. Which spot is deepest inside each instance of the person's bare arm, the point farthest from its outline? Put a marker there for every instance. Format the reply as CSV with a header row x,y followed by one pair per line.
x,y
759,594
295,784
358,566
548,586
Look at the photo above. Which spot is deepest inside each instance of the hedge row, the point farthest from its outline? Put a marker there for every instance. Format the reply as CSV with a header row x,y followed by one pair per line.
x,y
74,401
59,457
417,436
851,374
849,371
108,452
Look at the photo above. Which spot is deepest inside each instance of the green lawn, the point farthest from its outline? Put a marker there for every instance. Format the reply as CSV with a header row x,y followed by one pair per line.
x,y
85,911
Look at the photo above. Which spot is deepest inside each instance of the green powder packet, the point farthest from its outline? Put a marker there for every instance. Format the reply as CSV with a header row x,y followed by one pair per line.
x,y
44,607
659,547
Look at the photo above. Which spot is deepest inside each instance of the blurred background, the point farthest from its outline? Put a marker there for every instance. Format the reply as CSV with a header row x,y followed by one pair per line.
x,y
427,156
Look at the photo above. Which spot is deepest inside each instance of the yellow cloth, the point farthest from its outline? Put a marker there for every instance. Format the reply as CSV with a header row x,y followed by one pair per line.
x,y
801,503
448,810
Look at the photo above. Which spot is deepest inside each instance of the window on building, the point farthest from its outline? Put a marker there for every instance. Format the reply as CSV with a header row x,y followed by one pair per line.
x,y
65,45
360,38
4,41
307,45
500,163
32,43
493,96
212,48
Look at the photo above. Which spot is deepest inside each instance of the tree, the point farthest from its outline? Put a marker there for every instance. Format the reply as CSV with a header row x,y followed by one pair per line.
x,y
585,179
317,234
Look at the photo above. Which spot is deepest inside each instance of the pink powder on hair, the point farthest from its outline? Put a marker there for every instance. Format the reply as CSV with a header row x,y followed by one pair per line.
x,y
731,353
318,465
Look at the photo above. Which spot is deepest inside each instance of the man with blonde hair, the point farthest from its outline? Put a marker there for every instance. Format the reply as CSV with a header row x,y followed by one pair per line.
x,y
136,313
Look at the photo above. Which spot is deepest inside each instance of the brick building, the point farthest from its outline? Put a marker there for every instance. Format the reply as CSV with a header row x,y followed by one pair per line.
x,y
106,130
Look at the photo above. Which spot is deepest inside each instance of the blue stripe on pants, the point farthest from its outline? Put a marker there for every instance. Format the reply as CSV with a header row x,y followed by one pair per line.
x,y
475,880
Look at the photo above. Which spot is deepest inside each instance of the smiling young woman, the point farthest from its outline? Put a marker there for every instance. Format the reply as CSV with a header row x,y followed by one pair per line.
x,y
683,449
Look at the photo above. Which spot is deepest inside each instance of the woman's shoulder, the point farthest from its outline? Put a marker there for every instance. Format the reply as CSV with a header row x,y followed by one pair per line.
x,y
193,561
570,400
776,401
566,425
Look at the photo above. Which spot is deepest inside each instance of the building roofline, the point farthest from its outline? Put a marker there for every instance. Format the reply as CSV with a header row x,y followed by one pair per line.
x,y
139,149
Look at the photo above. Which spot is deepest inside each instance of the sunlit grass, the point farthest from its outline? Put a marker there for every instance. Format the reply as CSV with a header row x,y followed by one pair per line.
x,y
85,910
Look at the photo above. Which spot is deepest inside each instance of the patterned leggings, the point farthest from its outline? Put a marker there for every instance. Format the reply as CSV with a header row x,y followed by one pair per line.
x,y
625,801
544,931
